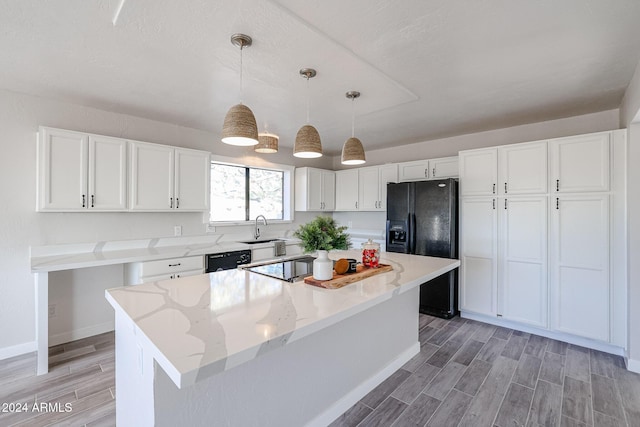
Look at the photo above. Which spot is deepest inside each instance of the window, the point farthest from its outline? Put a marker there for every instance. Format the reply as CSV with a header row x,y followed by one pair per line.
x,y
241,193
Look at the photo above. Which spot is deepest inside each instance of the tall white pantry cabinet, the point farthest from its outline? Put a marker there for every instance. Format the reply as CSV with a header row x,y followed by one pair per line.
x,y
543,237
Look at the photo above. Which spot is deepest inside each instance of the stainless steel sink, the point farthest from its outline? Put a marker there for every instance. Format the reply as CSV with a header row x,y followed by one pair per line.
x,y
254,242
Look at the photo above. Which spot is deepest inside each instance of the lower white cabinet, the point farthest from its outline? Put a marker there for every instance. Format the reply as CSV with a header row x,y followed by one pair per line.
x,y
580,282
151,271
522,260
478,255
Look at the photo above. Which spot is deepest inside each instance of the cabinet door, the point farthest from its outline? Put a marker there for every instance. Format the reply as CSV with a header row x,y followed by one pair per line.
x,y
328,190
478,172
347,190
580,265
478,241
446,167
413,171
314,189
523,260
107,173
523,169
388,173
192,171
62,168
368,188
580,163
151,177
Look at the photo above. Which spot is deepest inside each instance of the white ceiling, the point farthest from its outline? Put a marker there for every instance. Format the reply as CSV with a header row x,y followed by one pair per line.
x,y
426,68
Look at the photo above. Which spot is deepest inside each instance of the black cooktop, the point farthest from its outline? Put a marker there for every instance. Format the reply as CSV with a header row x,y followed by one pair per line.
x,y
290,270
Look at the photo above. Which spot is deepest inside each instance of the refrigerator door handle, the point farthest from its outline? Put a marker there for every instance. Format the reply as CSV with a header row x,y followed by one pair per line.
x,y
412,240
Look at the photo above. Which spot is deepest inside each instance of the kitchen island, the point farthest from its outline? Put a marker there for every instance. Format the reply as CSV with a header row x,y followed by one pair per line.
x,y
238,348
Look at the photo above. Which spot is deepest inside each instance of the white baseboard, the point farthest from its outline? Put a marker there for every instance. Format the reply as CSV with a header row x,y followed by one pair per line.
x,y
81,333
633,365
351,398
560,336
17,350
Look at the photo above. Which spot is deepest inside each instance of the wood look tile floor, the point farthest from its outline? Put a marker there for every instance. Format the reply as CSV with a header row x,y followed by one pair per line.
x,y
467,374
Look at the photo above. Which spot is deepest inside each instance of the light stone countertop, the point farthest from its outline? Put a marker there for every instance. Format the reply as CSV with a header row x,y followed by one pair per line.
x,y
198,326
68,257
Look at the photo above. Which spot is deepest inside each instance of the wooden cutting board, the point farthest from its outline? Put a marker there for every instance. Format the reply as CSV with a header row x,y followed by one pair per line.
x,y
340,280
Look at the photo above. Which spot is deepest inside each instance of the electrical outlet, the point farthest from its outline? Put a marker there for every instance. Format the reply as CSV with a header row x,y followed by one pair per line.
x,y
177,230
211,228
52,310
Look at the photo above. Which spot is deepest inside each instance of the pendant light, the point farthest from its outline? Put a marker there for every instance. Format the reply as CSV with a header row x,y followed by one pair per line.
x,y
352,150
240,126
267,143
307,144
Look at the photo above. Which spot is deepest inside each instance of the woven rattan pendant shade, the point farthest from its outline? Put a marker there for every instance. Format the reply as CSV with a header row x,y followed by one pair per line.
x,y
240,126
307,143
353,152
267,143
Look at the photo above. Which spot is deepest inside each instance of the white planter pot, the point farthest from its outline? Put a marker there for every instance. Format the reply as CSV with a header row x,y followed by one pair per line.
x,y
323,266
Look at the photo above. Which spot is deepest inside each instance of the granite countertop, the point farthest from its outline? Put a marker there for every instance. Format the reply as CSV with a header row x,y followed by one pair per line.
x,y
198,326
67,257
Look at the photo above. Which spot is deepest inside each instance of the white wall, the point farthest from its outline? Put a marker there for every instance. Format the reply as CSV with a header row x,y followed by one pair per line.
x,y
630,118
21,227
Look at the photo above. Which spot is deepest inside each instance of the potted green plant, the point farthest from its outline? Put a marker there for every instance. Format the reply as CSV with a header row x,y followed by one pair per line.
x,y
322,235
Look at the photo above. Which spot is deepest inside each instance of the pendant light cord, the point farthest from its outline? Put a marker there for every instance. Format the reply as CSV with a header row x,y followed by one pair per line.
x,y
353,119
241,46
308,99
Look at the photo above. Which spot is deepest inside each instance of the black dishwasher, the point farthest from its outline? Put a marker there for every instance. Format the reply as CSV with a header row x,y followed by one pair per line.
x,y
227,260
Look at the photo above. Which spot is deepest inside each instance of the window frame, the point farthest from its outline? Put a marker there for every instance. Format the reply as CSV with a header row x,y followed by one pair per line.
x,y
257,163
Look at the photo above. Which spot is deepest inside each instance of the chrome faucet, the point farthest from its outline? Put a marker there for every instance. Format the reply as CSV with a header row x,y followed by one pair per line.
x,y
256,234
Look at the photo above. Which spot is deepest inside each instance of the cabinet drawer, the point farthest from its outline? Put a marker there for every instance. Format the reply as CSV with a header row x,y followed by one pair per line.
x,y
169,276
168,266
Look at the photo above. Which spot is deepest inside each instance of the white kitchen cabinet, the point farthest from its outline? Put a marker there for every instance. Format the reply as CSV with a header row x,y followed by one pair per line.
x,y
580,163
478,172
413,171
80,172
372,186
445,167
347,187
478,255
315,189
522,259
580,281
151,271
522,168
165,178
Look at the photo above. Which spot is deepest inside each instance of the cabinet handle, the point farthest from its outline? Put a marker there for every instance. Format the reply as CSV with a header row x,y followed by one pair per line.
x,y
177,276
177,203
92,201
426,173
433,173
557,185
356,205
494,203
83,201
557,203
505,204
171,202
494,188
505,188
175,265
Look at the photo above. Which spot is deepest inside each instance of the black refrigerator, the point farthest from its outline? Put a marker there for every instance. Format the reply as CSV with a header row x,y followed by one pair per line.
x,y
422,219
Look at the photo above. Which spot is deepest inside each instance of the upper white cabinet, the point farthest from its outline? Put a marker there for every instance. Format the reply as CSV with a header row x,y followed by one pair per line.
x,y
372,186
81,172
522,168
413,171
314,189
445,167
165,178
347,187
478,172
580,163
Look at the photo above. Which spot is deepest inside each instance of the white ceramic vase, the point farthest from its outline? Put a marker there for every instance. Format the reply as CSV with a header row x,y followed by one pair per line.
x,y
323,266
